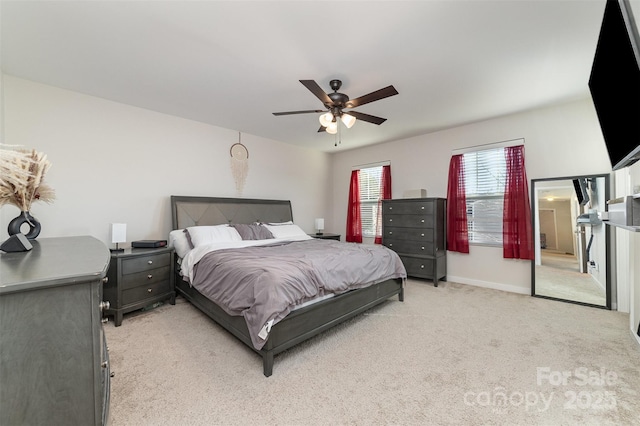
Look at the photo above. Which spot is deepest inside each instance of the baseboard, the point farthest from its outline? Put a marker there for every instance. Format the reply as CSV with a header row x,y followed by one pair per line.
x,y
491,285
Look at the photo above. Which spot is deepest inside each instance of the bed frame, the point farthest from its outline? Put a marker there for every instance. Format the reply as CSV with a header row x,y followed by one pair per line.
x,y
297,326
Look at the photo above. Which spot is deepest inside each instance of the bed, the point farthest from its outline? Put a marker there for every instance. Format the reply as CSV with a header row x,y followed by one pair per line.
x,y
302,321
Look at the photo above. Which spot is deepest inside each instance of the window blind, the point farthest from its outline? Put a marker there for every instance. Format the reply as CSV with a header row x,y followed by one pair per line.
x,y
485,177
370,193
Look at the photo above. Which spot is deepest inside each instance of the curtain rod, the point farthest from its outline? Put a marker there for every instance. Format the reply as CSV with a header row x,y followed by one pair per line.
x,y
364,166
492,145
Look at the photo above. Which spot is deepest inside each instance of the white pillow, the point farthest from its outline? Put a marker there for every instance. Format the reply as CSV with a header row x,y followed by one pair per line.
x,y
201,235
286,231
179,241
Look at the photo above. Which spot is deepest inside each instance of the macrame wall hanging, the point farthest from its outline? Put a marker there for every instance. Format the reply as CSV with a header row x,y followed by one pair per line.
x,y
239,164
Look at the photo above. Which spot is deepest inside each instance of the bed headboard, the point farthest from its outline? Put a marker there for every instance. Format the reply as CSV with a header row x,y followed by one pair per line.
x,y
194,211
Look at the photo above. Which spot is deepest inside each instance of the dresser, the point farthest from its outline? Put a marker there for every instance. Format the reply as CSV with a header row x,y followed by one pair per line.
x,y
139,278
54,364
415,228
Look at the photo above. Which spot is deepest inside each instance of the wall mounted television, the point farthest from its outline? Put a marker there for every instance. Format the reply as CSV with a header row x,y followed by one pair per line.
x,y
615,83
582,193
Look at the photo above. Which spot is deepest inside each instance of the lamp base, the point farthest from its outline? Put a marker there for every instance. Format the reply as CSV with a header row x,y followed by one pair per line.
x,y
117,249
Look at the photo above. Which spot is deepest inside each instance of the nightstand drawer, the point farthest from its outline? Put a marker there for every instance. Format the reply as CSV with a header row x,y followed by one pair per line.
x,y
139,293
139,264
149,277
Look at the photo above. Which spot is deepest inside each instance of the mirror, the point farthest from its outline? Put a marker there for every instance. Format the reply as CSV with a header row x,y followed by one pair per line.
x,y
572,259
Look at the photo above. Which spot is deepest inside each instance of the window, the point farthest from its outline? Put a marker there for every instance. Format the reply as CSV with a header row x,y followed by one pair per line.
x,y
370,189
485,177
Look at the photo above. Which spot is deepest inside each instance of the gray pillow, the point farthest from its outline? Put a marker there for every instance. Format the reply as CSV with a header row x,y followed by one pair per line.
x,y
253,232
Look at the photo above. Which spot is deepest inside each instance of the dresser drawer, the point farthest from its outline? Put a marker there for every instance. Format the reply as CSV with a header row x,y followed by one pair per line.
x,y
146,278
409,247
145,263
414,234
409,207
418,267
136,294
409,220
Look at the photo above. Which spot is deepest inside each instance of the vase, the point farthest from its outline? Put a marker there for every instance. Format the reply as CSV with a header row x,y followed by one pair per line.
x,y
25,217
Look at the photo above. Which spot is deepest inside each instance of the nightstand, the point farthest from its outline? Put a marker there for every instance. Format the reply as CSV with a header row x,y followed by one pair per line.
x,y
138,277
326,236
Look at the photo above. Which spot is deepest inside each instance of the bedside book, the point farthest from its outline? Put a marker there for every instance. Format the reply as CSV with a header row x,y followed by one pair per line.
x,y
149,243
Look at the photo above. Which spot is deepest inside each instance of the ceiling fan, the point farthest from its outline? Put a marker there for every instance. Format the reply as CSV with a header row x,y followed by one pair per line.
x,y
336,102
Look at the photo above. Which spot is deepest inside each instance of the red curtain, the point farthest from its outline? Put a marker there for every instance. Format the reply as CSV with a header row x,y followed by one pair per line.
x,y
457,231
385,190
517,234
354,222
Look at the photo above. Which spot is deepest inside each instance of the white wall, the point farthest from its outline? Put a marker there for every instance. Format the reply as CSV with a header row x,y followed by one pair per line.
x,y
628,252
117,163
559,141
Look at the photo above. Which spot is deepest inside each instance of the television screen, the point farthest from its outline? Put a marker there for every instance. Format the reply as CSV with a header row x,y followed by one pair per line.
x,y
615,84
582,194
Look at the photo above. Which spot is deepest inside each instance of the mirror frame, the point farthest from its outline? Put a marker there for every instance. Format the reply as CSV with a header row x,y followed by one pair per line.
x,y
534,207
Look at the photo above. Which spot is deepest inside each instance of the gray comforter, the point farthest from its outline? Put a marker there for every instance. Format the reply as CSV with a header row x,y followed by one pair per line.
x,y
264,283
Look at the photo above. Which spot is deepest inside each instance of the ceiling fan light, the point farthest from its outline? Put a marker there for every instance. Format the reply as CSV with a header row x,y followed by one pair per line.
x,y
348,120
326,119
332,128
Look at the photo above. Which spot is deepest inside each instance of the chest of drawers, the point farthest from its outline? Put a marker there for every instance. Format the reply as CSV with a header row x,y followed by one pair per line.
x,y
415,228
138,278
54,364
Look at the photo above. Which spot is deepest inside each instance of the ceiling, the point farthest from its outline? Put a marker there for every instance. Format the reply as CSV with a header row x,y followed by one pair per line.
x,y
233,63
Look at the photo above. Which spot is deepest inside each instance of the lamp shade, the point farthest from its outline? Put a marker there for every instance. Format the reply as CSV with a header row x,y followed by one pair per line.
x,y
320,224
118,232
348,120
326,119
332,128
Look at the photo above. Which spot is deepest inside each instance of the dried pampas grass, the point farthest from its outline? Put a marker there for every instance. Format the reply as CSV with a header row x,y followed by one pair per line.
x,y
22,173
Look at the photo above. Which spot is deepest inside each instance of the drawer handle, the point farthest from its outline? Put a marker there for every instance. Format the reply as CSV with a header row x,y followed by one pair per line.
x,y
422,248
150,262
104,305
390,244
422,235
421,266
105,280
149,290
390,232
149,276
422,207
422,221
390,208
390,220
104,320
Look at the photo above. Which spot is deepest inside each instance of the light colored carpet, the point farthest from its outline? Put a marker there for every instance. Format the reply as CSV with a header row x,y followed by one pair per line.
x,y
559,276
451,355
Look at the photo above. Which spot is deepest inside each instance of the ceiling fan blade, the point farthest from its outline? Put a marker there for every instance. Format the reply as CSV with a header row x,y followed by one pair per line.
x,y
366,117
317,90
298,112
322,129
373,96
